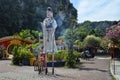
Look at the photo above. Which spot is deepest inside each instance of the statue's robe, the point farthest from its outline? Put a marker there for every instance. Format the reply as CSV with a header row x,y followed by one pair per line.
x,y
48,35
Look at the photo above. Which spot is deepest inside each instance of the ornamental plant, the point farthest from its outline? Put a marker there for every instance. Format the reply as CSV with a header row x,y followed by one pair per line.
x,y
21,53
113,34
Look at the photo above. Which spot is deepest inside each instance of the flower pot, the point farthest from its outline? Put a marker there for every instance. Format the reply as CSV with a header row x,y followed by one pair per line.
x,y
26,63
32,61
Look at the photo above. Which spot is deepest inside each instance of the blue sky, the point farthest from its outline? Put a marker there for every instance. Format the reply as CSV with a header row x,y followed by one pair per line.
x,y
97,10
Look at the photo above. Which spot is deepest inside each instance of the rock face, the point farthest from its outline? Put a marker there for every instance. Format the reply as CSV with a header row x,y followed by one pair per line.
x,y
16,15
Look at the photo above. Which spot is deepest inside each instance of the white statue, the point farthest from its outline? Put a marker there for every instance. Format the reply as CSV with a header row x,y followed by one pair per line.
x,y
49,25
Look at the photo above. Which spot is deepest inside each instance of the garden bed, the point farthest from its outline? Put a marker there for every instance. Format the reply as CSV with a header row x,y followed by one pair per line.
x,y
56,64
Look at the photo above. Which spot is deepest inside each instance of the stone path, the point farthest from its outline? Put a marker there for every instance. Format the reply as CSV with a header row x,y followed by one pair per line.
x,y
94,69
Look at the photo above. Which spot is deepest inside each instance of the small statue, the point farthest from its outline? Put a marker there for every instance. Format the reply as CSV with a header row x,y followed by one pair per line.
x,y
49,25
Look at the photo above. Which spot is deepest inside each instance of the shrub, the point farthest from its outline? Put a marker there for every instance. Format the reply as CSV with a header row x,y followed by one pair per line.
x,y
64,55
60,56
49,57
20,54
16,56
71,59
26,55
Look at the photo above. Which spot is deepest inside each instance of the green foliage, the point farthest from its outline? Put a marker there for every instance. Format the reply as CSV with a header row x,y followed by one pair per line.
x,y
96,32
69,36
64,55
87,28
78,44
21,53
27,34
81,33
61,38
76,54
104,43
36,33
25,53
49,57
35,45
97,28
92,41
71,59
16,55
60,56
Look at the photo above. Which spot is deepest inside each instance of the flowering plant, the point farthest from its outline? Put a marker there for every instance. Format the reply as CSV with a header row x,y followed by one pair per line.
x,y
113,34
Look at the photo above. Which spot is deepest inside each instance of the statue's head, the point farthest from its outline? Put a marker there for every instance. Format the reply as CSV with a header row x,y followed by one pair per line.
x,y
49,12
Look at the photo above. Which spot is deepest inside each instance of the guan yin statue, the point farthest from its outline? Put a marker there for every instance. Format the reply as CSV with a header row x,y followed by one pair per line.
x,y
49,25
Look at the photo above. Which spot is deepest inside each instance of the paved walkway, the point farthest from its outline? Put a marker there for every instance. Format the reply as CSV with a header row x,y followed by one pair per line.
x,y
115,68
94,69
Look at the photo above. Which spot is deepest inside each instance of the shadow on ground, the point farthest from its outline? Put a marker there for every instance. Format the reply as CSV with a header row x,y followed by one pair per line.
x,y
91,69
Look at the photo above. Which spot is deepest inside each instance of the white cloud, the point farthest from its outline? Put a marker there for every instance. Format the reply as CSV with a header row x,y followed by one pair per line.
x,y
95,10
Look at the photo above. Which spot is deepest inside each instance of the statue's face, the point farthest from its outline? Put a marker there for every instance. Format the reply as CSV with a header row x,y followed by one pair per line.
x,y
49,14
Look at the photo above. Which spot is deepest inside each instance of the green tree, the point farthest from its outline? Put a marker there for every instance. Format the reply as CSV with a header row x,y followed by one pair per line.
x,y
81,33
96,32
92,41
79,44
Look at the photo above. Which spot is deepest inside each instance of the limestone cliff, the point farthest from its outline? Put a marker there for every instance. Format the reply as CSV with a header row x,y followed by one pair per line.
x,y
16,15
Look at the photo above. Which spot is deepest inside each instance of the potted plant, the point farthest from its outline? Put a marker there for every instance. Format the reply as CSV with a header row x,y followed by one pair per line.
x,y
26,57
